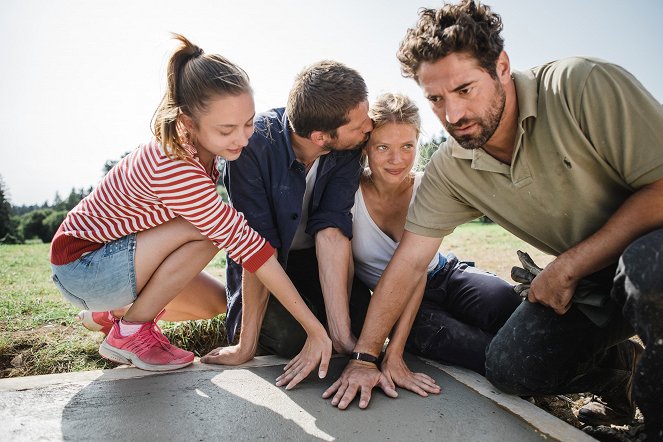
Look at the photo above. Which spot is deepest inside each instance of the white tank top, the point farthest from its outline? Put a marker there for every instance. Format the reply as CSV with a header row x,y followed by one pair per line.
x,y
371,247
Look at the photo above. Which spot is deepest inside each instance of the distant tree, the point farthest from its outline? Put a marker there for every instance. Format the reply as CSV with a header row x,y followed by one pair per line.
x,y
57,201
75,197
427,149
15,236
5,210
22,210
51,224
109,164
32,225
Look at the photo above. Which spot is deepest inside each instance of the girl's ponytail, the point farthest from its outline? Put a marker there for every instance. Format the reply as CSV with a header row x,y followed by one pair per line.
x,y
193,78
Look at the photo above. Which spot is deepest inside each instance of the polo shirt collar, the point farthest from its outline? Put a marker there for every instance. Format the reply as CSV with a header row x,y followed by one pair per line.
x,y
527,89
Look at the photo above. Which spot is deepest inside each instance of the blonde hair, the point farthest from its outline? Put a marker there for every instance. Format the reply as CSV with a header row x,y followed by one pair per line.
x,y
193,78
394,108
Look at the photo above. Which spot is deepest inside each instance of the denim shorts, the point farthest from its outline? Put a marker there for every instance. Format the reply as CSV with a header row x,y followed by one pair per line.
x,y
101,280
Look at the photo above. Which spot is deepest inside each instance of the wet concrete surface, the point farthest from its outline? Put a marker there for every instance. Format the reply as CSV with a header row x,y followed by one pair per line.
x,y
214,403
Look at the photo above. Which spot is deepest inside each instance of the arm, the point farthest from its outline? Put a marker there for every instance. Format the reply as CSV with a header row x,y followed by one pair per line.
x,y
393,366
334,254
330,223
642,212
254,305
185,189
271,277
630,141
402,275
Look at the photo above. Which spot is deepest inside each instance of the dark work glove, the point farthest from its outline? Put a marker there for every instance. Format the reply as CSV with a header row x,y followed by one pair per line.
x,y
524,275
587,292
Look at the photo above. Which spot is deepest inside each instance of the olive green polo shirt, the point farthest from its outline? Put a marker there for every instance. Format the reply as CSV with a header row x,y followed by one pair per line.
x,y
589,135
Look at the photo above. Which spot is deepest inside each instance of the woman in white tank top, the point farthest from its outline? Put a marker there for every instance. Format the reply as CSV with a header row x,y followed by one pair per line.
x,y
457,309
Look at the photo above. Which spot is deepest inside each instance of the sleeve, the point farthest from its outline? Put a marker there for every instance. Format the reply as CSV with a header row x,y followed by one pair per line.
x,y
338,196
248,189
436,210
623,121
189,192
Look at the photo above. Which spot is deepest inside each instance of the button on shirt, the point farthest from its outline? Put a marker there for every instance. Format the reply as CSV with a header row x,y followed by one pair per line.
x,y
267,184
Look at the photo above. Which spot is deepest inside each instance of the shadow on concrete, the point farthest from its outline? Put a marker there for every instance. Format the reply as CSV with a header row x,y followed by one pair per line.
x,y
176,406
244,404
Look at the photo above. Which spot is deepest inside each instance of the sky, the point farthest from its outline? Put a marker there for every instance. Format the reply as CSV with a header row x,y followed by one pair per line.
x,y
80,80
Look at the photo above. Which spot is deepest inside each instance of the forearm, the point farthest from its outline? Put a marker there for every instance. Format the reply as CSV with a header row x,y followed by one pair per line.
x,y
404,323
403,275
334,254
639,214
276,281
254,305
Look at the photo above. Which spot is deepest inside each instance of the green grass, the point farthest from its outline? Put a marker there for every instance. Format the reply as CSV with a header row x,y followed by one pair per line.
x,y
38,332
39,335
490,247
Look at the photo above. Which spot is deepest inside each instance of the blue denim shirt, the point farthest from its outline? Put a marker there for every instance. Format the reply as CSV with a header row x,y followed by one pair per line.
x,y
266,183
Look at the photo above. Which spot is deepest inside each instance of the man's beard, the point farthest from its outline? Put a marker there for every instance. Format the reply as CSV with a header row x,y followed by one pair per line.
x,y
333,145
487,125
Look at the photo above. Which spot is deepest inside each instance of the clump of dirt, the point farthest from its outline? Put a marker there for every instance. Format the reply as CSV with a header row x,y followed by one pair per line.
x,y
11,357
562,407
565,407
52,348
634,433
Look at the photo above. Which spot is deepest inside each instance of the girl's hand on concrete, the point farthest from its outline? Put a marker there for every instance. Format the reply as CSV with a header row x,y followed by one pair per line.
x,y
316,351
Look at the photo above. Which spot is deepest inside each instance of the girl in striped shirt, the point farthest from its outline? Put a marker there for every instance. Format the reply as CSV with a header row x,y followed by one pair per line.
x,y
144,235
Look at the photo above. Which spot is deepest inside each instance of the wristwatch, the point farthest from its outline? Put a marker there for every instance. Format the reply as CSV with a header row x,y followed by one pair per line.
x,y
364,357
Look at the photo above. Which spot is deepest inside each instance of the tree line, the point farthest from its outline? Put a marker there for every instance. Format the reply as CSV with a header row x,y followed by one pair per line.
x,y
21,223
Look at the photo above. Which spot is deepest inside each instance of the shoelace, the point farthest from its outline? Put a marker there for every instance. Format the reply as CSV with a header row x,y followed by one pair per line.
x,y
147,338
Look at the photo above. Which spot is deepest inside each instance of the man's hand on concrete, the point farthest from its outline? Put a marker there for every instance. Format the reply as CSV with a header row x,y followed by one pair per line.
x,y
231,355
397,372
358,377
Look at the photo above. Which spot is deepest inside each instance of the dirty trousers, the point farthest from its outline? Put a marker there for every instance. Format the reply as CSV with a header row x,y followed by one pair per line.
x,y
540,352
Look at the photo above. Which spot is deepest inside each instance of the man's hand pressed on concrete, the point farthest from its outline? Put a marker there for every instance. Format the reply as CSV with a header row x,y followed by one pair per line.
x,y
358,377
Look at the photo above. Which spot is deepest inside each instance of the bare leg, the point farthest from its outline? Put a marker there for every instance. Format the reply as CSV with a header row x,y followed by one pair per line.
x,y
168,259
203,298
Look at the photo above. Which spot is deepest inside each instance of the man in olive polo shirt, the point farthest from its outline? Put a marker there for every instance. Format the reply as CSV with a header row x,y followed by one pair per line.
x,y
568,157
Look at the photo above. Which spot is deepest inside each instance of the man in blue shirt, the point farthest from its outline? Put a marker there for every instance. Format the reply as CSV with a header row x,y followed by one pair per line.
x,y
295,183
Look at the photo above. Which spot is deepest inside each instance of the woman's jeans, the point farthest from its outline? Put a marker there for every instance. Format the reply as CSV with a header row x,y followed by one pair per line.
x,y
461,311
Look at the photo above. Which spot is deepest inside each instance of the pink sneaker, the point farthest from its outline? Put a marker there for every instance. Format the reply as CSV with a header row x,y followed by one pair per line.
x,y
96,321
148,349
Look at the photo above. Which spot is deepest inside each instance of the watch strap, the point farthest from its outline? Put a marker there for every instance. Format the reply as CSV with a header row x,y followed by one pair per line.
x,y
365,357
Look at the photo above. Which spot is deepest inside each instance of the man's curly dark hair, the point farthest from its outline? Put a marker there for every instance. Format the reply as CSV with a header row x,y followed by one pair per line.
x,y
468,27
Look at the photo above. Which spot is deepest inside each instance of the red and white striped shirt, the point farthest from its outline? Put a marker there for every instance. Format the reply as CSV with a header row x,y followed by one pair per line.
x,y
146,189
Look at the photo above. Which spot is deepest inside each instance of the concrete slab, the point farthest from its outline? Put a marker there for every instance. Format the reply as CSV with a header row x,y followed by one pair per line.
x,y
206,402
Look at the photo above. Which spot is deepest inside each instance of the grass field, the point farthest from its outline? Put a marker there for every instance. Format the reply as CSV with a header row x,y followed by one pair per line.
x,y
38,333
